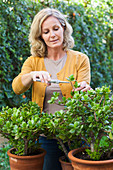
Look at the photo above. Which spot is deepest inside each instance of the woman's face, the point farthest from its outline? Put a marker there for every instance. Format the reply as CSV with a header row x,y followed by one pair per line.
x,y
52,32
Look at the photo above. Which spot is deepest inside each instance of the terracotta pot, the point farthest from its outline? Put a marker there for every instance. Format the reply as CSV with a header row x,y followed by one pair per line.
x,y
34,162
65,165
80,164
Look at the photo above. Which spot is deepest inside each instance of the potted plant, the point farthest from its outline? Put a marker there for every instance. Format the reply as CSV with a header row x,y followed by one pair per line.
x,y
22,127
59,128
88,116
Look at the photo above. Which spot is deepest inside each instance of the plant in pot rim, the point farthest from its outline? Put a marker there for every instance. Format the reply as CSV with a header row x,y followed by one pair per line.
x,y
22,127
89,116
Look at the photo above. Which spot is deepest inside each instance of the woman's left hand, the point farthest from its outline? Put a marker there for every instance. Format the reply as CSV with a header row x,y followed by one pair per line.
x,y
83,86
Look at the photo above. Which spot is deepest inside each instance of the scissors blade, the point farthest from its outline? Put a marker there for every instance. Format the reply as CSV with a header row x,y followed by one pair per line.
x,y
54,81
60,81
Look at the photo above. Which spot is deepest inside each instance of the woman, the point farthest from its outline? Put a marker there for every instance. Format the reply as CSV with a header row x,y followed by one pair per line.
x,y
51,40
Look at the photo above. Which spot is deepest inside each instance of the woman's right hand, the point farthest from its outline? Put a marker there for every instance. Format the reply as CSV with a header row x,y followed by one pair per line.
x,y
42,75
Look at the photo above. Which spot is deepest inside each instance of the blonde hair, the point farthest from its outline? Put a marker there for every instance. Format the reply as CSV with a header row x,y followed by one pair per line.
x,y
38,46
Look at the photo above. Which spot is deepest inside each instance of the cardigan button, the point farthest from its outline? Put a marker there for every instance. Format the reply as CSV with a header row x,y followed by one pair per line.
x,y
64,94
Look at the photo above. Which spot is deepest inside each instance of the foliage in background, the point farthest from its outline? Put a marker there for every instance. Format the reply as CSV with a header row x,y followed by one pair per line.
x,y
4,159
92,32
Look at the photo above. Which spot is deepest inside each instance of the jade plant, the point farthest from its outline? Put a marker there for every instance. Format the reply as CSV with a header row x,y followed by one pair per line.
x,y
59,128
22,127
87,118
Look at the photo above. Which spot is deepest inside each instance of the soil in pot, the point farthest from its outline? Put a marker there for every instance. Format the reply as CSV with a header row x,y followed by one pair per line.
x,y
83,155
66,165
80,164
34,162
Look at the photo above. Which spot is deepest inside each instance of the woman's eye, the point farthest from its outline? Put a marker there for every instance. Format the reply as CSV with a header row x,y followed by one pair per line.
x,y
56,28
46,32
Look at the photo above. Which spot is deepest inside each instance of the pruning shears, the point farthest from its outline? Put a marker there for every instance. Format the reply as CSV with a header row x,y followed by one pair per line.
x,y
54,81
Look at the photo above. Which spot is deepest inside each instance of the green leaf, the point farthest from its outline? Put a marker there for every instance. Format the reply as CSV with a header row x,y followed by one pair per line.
x,y
71,78
72,131
24,125
110,135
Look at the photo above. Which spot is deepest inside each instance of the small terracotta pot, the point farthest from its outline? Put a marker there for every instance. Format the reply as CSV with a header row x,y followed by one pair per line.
x,y
65,165
34,162
80,164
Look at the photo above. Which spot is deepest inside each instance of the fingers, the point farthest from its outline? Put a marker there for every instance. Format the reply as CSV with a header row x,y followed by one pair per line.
x,y
42,75
86,88
83,87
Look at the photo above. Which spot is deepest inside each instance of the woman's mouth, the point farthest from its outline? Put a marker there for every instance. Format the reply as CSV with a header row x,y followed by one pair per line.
x,y
54,40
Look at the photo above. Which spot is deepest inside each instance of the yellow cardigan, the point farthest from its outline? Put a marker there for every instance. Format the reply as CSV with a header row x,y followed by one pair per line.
x,y
77,64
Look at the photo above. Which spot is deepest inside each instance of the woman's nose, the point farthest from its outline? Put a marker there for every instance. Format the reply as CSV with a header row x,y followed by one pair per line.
x,y
52,34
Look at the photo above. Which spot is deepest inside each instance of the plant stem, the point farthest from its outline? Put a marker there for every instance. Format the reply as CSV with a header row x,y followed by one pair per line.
x,y
101,99
95,116
92,147
72,86
64,148
26,146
